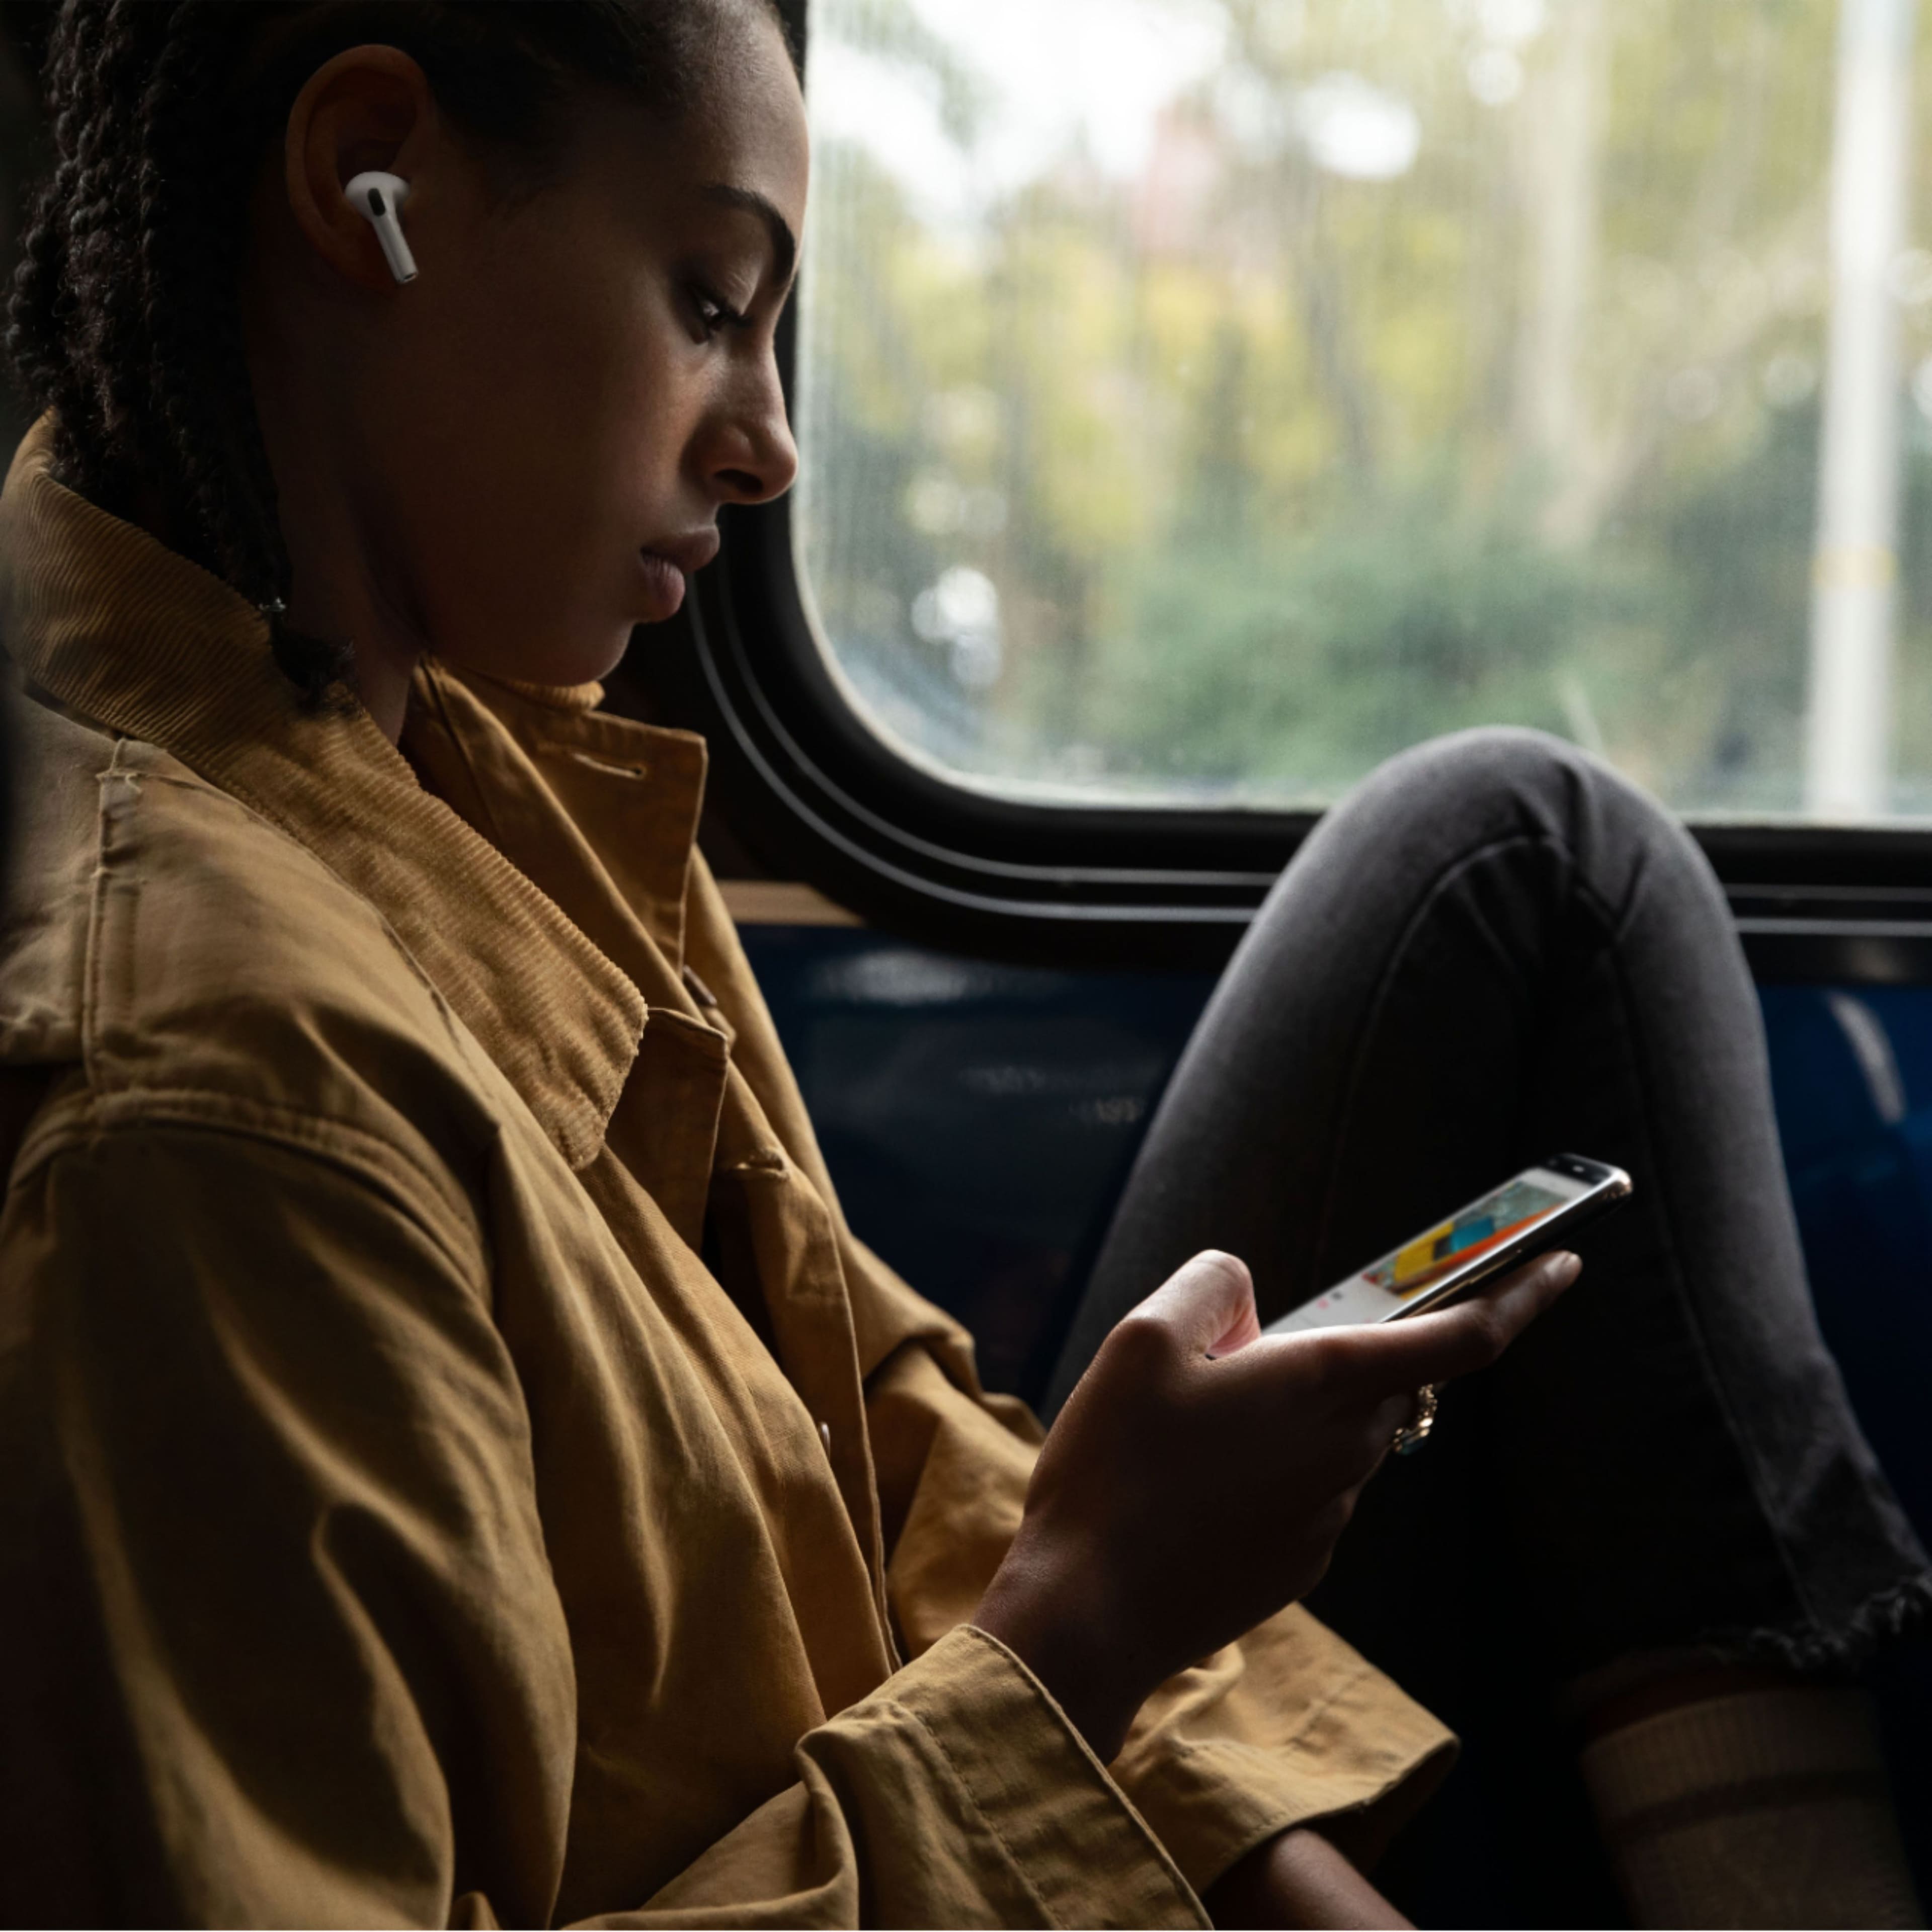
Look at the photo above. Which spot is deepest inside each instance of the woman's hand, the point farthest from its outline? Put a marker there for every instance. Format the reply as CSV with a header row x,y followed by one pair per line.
x,y
1200,1474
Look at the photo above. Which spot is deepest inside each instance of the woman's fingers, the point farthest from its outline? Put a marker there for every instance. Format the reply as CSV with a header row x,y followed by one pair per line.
x,y
1398,1355
1207,1307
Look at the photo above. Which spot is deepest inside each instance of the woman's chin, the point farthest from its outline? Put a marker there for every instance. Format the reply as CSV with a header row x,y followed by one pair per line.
x,y
564,667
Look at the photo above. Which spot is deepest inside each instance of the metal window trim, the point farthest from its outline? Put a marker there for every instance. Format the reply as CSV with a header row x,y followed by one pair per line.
x,y
820,796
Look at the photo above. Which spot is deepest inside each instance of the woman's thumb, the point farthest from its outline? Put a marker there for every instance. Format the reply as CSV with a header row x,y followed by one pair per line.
x,y
1207,1304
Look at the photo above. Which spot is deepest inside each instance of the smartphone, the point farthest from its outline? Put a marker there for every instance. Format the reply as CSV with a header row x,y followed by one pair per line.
x,y
1540,1209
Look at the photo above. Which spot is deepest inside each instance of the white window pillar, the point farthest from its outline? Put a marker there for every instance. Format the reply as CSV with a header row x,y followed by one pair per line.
x,y
1854,574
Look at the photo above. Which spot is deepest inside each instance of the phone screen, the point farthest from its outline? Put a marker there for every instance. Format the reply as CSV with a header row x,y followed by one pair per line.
x,y
1448,1249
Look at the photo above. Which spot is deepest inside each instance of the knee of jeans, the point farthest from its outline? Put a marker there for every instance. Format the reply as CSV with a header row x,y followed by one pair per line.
x,y
1501,776
1504,757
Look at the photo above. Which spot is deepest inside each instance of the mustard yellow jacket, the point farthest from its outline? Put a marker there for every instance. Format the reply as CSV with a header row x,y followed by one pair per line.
x,y
456,1464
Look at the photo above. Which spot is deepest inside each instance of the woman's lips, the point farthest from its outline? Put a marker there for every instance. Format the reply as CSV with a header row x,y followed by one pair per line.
x,y
663,587
669,564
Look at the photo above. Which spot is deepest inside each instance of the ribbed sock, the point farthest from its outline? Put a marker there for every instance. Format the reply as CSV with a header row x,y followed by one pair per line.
x,y
1766,1807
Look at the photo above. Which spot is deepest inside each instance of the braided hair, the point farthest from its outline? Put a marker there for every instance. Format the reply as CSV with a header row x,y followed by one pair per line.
x,y
125,317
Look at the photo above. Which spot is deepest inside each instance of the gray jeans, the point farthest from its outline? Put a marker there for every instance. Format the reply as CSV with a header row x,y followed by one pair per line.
x,y
1492,949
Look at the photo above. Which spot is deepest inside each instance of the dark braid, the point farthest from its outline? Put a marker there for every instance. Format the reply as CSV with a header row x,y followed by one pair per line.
x,y
125,319
223,495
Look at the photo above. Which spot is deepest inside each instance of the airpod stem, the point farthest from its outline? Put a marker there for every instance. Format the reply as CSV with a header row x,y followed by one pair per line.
x,y
379,198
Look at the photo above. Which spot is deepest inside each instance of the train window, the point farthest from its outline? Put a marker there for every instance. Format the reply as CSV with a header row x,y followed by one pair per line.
x,y
1200,399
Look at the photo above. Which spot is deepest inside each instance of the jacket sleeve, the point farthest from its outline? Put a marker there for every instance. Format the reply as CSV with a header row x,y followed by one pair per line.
x,y
281,1644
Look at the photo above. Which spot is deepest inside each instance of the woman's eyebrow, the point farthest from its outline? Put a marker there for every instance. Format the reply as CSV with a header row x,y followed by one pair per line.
x,y
785,243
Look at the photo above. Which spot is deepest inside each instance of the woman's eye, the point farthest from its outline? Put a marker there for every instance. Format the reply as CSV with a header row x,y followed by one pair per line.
x,y
713,314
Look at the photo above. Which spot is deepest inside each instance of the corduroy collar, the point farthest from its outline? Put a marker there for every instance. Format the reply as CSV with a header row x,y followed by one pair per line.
x,y
120,629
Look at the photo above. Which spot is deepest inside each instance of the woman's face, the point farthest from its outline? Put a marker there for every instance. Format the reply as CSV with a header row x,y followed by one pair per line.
x,y
527,447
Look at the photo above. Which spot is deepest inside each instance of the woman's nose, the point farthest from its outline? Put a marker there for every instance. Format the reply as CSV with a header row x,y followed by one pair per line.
x,y
756,459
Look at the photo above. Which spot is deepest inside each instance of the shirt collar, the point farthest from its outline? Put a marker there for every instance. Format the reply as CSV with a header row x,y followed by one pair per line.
x,y
118,628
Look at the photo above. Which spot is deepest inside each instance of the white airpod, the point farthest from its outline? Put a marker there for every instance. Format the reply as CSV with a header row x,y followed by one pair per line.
x,y
380,198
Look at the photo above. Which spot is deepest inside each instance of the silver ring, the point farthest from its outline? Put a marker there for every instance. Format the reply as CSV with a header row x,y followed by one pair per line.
x,y
1415,1432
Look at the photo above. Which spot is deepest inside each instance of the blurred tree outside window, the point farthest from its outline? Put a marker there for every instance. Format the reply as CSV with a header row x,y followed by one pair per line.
x,y
1201,400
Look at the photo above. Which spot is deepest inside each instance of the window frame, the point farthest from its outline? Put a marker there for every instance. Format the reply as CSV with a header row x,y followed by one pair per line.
x,y
817,795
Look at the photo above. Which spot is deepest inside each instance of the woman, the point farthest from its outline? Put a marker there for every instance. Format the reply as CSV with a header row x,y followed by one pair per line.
x,y
460,1466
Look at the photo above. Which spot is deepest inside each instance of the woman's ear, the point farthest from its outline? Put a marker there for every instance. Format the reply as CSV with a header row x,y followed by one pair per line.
x,y
369,108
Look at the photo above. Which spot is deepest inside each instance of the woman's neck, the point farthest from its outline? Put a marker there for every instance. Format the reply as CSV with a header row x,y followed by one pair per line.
x,y
346,583
385,653
343,581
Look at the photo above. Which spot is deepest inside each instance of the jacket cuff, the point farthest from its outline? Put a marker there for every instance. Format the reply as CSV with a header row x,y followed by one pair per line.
x,y
1031,1793
1363,1761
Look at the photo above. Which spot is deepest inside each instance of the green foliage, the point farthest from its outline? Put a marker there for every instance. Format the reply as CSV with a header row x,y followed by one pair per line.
x,y
1291,667
1279,471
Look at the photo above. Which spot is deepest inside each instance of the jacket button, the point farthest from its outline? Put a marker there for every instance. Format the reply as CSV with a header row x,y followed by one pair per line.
x,y
825,1436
